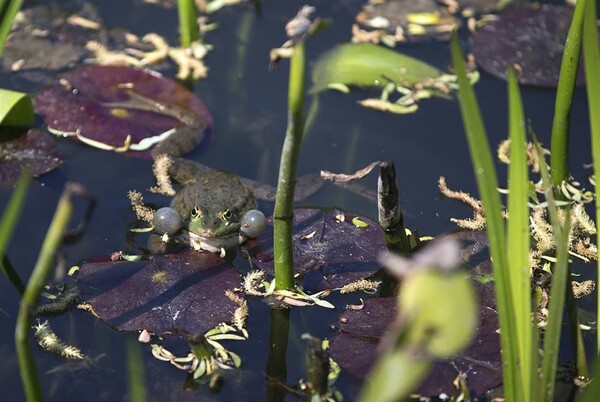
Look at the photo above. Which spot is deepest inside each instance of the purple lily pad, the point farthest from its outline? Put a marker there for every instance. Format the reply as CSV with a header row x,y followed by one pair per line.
x,y
35,151
180,293
355,348
81,102
531,38
328,253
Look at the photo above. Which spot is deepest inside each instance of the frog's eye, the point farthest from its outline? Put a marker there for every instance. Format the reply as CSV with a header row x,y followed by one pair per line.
x,y
196,213
225,215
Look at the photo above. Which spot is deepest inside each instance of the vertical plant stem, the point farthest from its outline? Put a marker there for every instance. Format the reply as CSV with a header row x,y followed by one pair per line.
x,y
559,284
564,95
591,53
8,10
518,240
283,212
487,183
575,332
276,363
34,287
135,371
188,26
7,226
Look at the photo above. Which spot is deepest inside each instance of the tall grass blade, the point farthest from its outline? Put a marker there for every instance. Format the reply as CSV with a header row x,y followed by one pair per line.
x,y
591,58
518,239
564,95
7,226
8,10
559,284
487,183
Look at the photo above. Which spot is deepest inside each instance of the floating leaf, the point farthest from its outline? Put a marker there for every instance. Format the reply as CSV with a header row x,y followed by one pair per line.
x,y
337,254
367,65
106,105
354,348
16,109
531,39
34,151
182,292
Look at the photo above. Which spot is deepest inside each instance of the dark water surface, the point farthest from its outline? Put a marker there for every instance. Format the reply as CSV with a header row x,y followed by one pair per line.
x,y
248,104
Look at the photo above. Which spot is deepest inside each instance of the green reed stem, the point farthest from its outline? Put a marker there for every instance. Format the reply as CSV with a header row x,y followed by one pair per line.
x,y
188,25
136,379
591,53
276,362
560,279
283,212
559,148
7,226
487,183
8,10
38,278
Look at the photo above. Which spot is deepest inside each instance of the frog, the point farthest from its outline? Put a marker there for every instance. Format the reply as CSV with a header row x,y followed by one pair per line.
x,y
213,210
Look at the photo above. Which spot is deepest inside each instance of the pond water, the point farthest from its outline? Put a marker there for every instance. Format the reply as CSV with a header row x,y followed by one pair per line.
x,y
248,103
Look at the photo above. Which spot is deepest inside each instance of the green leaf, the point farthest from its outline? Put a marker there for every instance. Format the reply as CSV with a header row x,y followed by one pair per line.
x,y
394,377
487,183
559,283
8,10
564,95
7,226
367,65
591,53
518,240
16,109
438,328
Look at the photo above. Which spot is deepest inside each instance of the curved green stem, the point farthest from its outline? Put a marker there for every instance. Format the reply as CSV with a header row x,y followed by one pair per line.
x,y
38,278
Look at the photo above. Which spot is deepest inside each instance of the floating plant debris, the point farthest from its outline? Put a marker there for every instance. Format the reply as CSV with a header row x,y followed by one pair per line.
x,y
531,39
405,21
354,348
328,252
180,293
124,109
34,151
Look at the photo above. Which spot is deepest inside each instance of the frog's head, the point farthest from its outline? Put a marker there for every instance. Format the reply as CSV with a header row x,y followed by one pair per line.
x,y
213,223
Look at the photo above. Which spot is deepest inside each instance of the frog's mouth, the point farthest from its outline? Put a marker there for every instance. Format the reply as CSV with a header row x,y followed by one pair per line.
x,y
214,244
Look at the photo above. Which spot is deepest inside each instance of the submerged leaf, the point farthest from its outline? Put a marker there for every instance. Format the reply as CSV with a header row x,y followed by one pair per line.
x,y
123,108
181,293
530,39
367,65
328,253
35,151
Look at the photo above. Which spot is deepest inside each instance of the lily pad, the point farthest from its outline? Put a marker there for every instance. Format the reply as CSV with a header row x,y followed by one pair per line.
x,y
107,105
409,20
328,252
35,151
181,293
529,38
367,65
355,348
